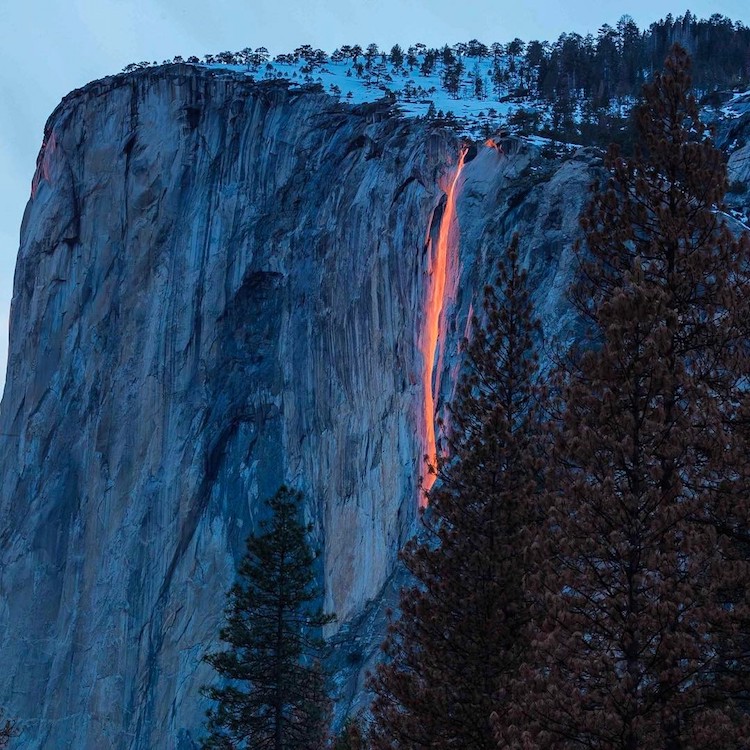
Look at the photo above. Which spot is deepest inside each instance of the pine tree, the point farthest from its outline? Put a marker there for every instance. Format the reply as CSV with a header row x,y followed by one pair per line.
x,y
457,637
451,77
275,693
351,736
640,595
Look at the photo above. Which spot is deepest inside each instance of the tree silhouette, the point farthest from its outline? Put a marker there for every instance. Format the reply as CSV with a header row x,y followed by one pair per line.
x,y
458,636
639,582
275,694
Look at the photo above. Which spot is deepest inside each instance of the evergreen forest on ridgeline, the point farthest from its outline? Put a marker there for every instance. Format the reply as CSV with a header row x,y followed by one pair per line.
x,y
577,88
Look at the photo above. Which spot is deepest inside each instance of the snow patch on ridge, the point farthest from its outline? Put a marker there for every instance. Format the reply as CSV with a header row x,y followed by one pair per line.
x,y
413,92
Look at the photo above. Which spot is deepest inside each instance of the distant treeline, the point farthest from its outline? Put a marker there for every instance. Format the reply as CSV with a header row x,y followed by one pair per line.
x,y
615,63
618,60
590,74
578,87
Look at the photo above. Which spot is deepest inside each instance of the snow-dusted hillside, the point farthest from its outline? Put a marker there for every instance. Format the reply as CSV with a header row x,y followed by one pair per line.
x,y
479,89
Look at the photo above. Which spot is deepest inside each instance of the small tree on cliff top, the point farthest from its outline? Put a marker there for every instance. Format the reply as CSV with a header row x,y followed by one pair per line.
x,y
640,593
276,695
458,636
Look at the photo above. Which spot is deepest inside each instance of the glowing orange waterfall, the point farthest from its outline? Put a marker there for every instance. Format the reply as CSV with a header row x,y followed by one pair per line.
x,y
447,245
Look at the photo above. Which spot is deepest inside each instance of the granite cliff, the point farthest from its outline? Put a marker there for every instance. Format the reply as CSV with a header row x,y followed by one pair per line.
x,y
221,285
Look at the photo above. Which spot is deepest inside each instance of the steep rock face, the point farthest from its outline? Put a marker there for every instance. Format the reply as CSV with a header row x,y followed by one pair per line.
x,y
220,288
192,325
738,163
733,136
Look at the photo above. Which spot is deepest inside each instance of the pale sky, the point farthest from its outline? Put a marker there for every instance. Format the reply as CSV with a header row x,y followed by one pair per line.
x,y
48,47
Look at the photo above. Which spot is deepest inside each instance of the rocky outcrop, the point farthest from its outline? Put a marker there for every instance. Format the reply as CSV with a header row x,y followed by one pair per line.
x,y
738,162
220,287
733,137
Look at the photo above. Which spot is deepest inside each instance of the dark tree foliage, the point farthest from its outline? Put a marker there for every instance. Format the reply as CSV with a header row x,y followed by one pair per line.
x,y
614,63
451,76
639,591
397,56
275,691
718,47
8,731
351,737
458,636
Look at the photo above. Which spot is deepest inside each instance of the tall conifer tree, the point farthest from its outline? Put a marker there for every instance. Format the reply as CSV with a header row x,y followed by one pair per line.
x,y
641,590
458,634
275,696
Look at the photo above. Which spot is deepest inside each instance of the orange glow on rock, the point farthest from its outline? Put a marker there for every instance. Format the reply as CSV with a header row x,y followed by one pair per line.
x,y
492,143
441,252
44,163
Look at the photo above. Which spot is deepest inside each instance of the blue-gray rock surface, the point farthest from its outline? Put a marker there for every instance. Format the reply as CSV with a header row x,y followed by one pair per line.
x,y
220,287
